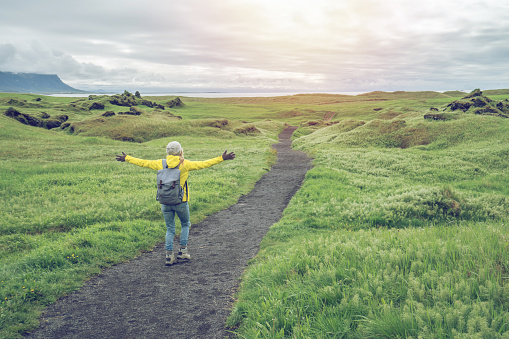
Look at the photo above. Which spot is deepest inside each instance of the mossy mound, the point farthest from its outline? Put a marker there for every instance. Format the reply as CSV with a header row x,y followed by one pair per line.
x,y
129,100
126,99
440,116
44,122
96,105
175,103
477,103
22,103
247,129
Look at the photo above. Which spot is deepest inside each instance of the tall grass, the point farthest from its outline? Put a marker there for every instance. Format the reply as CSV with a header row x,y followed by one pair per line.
x,y
386,242
381,283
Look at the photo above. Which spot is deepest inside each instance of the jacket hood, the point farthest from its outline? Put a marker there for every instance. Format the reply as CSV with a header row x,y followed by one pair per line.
x,y
172,160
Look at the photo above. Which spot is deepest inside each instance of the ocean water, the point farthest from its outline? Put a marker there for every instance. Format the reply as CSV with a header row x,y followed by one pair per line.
x,y
207,94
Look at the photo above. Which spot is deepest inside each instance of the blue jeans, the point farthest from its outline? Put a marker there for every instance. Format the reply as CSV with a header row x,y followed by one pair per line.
x,y
182,211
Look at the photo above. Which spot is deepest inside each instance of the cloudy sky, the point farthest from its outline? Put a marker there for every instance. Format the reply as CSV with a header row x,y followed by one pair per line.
x,y
260,45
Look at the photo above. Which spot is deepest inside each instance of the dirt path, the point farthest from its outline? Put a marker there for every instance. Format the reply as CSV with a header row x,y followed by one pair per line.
x,y
145,299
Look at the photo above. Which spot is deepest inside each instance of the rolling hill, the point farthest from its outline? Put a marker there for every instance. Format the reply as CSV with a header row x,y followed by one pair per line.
x,y
34,83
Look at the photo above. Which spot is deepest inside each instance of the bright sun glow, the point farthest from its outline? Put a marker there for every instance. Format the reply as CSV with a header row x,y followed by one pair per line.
x,y
294,16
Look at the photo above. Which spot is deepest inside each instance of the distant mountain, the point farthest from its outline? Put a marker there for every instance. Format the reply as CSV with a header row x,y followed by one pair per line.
x,y
34,83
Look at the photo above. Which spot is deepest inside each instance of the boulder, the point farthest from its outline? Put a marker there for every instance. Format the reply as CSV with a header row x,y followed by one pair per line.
x,y
435,116
62,118
96,105
456,105
147,103
475,93
135,110
132,111
52,123
175,103
25,119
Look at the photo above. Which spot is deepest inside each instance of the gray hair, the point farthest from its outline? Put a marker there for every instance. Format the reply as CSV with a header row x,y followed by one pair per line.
x,y
173,148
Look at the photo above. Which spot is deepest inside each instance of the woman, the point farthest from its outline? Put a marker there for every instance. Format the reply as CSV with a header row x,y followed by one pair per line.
x,y
175,157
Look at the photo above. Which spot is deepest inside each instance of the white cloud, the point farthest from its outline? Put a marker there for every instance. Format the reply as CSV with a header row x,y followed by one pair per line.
x,y
318,45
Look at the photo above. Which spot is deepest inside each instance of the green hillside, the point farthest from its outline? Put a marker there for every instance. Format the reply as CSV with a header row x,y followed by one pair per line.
x,y
34,83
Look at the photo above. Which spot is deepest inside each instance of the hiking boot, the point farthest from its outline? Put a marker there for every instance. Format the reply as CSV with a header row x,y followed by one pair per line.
x,y
170,258
184,254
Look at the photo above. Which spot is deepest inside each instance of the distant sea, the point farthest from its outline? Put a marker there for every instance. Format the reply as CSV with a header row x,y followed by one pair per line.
x,y
208,94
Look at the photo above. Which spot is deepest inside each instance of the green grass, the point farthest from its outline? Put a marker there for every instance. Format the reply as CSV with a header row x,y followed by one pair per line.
x,y
386,242
69,209
399,230
383,283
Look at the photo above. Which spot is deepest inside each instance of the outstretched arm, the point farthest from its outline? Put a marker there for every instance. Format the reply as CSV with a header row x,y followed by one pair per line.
x,y
228,156
152,164
121,157
197,165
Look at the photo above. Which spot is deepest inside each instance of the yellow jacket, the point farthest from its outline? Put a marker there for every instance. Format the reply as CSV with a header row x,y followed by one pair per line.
x,y
172,161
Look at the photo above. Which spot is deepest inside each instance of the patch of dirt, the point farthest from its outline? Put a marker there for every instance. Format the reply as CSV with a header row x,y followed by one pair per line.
x,y
328,116
144,298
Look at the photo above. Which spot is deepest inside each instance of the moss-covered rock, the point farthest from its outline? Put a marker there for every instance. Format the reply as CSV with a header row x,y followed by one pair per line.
x,y
96,105
477,103
25,119
175,103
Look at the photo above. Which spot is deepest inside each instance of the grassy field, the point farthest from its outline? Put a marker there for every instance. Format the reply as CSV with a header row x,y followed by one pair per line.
x,y
400,229
69,209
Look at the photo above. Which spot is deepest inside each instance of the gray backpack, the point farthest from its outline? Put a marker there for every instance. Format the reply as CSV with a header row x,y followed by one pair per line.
x,y
169,191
